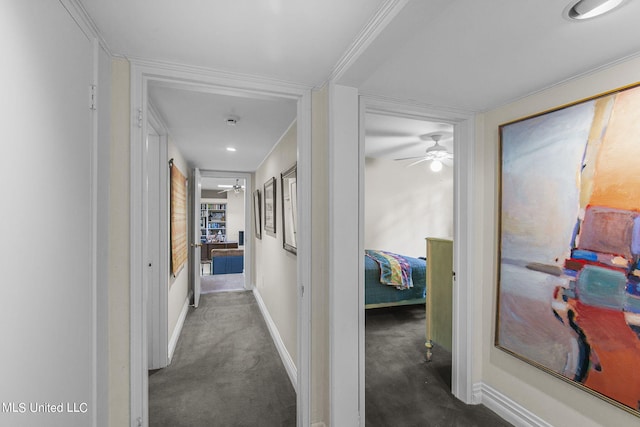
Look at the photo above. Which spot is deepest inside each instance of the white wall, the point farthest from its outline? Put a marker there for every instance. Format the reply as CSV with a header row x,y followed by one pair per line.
x,y
235,214
178,285
49,195
555,401
320,410
276,269
119,245
404,205
102,268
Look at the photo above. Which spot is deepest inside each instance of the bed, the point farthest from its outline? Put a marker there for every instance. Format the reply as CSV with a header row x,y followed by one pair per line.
x,y
432,286
377,294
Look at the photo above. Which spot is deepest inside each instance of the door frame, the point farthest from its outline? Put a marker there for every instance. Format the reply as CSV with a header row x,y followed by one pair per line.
x,y
248,243
198,79
464,327
159,296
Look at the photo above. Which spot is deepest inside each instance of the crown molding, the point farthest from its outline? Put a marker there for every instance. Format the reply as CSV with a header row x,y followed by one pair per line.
x,y
567,80
80,15
407,107
385,14
158,120
198,73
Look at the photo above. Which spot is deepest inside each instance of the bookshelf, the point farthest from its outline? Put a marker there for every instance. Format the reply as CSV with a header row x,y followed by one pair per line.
x,y
213,221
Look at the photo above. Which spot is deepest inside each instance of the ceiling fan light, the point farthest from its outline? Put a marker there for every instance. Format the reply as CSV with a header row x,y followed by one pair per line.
x,y
587,9
436,165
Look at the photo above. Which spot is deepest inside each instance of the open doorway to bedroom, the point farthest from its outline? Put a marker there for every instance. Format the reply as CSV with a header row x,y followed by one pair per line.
x,y
408,205
222,233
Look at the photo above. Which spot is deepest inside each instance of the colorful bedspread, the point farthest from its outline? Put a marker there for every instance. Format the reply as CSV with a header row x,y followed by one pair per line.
x,y
394,269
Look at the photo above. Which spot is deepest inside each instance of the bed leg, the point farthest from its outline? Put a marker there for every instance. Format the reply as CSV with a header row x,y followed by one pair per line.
x,y
429,345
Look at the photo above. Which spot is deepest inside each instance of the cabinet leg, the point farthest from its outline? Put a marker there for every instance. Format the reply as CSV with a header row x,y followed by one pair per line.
x,y
429,345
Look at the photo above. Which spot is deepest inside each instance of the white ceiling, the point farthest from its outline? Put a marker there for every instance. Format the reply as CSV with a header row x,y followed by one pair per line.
x,y
464,54
291,40
476,55
392,137
197,124
211,183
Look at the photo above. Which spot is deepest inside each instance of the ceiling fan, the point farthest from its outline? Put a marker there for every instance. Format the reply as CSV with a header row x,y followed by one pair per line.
x,y
236,188
436,153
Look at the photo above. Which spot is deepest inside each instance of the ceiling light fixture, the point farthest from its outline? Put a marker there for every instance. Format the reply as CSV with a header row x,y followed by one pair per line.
x,y
231,149
587,9
435,154
436,165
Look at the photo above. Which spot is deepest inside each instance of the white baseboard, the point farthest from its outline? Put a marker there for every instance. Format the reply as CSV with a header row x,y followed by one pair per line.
x,y
320,424
178,329
508,409
289,365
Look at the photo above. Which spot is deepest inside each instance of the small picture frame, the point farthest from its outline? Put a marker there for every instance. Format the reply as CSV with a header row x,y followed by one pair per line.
x,y
257,213
289,198
270,205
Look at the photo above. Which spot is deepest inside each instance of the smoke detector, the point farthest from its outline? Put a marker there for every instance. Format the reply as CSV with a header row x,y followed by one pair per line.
x,y
231,121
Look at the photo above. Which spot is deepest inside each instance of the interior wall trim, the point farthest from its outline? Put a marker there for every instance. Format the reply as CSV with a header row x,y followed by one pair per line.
x,y
144,72
379,21
287,360
85,22
202,74
465,226
173,342
507,408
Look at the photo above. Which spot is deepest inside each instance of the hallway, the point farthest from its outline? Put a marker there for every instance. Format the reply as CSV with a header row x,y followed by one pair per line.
x,y
226,370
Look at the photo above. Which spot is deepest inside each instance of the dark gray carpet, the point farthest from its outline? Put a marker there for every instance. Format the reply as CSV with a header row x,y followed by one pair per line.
x,y
225,371
402,389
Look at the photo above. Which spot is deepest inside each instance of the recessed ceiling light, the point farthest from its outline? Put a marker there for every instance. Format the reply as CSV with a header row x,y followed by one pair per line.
x,y
231,149
587,9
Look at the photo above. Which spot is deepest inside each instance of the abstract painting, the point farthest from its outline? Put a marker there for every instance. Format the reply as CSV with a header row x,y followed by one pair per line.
x,y
569,278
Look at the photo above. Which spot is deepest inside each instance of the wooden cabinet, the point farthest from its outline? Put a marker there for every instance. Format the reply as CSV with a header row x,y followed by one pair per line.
x,y
439,293
205,251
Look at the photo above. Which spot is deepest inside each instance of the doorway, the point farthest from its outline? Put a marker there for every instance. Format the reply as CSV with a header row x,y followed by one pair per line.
x,y
142,76
463,224
223,208
408,197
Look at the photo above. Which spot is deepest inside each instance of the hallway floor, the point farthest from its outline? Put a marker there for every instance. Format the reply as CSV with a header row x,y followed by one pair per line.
x,y
221,282
401,388
226,370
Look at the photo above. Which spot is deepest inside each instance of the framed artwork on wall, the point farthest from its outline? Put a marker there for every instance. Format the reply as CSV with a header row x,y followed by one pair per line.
x,y
178,218
270,205
257,214
569,244
289,199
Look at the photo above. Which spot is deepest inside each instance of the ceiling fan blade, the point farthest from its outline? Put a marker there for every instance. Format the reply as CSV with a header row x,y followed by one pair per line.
x,y
411,158
424,159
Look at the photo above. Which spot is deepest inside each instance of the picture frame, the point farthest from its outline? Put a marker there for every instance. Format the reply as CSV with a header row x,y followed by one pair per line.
x,y
270,205
568,279
289,199
257,213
